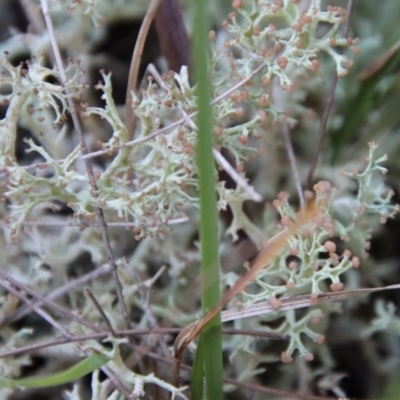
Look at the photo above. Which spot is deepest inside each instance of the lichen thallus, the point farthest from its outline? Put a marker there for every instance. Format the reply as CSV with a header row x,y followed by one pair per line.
x,y
263,259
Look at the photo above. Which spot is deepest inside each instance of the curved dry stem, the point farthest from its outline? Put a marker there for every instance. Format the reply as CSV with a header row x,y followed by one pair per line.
x,y
134,68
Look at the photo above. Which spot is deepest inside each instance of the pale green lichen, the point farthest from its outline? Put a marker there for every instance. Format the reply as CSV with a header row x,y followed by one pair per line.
x,y
152,180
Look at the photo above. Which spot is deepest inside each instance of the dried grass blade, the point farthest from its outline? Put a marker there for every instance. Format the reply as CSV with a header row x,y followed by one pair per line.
x,y
264,258
296,302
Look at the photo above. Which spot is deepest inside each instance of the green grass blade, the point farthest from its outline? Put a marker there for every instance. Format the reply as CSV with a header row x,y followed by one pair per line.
x,y
79,370
211,346
198,371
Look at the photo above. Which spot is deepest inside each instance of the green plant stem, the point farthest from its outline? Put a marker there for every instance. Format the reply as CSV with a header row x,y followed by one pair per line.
x,y
211,343
197,384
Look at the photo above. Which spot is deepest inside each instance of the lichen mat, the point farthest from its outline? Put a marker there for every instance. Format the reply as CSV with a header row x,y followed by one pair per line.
x,y
272,250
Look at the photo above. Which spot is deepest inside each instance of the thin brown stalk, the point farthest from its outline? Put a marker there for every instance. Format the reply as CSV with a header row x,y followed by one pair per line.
x,y
51,343
279,99
117,383
239,384
262,389
228,315
100,310
140,350
296,302
327,108
152,340
67,313
70,285
135,63
321,131
132,332
144,297
293,165
86,224
36,308
67,336
84,150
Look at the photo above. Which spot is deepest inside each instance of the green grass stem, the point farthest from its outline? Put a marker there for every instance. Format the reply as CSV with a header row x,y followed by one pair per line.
x,y
210,345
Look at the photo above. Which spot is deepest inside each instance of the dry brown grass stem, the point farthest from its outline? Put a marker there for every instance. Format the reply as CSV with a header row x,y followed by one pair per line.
x,y
135,63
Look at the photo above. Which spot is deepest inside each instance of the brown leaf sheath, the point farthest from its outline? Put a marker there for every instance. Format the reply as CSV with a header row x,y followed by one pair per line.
x,y
172,34
263,259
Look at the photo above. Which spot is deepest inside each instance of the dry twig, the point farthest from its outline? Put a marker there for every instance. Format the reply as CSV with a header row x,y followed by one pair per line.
x,y
134,68
78,129
327,109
